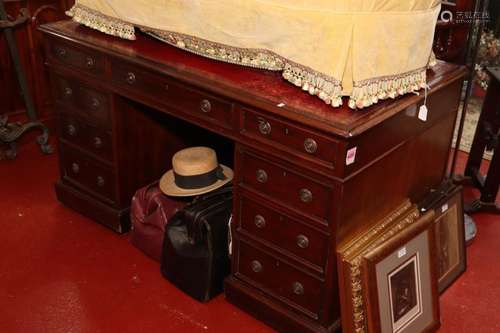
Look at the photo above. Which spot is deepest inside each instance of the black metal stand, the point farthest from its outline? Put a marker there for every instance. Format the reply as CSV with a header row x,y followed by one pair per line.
x,y
471,57
9,133
472,52
487,137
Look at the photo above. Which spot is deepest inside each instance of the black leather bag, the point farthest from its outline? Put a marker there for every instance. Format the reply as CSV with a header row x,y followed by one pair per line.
x,y
195,255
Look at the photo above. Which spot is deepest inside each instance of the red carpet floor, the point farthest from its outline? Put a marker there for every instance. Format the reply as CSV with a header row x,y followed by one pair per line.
x,y
61,273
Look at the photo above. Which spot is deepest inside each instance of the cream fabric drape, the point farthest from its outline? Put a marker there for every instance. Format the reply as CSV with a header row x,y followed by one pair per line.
x,y
365,49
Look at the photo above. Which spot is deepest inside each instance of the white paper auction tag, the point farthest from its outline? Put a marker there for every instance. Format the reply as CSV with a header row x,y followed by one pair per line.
x,y
422,113
444,208
402,252
351,156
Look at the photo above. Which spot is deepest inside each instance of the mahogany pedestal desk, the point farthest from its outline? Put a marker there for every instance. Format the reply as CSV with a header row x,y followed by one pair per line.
x,y
306,175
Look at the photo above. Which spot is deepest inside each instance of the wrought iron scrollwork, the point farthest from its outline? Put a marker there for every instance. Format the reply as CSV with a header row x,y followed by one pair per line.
x,y
10,132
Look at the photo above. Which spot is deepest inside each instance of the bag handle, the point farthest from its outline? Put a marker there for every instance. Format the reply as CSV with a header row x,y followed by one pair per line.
x,y
220,191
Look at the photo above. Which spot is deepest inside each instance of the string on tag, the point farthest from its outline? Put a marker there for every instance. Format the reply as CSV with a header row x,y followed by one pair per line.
x,y
425,93
422,112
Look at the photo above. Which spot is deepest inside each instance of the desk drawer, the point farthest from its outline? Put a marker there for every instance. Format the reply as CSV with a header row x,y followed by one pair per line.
x,y
286,136
295,191
285,232
85,60
95,140
280,279
173,94
90,103
85,172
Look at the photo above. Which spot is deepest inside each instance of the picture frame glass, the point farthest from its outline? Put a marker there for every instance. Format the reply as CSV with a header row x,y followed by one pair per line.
x,y
405,295
446,232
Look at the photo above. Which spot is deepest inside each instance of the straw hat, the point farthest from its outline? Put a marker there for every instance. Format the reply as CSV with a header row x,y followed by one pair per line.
x,y
195,171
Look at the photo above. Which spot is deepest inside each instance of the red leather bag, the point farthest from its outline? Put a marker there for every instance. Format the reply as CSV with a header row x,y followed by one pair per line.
x,y
149,213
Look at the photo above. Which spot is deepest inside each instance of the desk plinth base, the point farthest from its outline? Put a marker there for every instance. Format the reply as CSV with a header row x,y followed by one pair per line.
x,y
117,220
274,315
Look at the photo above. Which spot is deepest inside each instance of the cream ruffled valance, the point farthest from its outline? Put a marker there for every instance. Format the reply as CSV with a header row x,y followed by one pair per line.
x,y
366,49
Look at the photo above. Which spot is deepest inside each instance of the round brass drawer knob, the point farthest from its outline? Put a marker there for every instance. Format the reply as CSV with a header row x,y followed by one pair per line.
x,y
71,129
68,91
95,103
305,195
256,266
205,106
302,242
298,288
61,52
130,78
89,62
97,142
264,126
261,176
100,181
310,145
75,168
260,221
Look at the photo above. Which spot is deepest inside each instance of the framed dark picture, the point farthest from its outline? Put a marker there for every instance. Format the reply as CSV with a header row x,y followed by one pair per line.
x,y
447,202
400,281
405,296
450,238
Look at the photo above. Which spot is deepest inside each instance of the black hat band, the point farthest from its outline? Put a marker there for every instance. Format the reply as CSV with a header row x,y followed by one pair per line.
x,y
199,181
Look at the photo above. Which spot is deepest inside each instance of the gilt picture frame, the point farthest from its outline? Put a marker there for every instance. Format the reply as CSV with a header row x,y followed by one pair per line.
x,y
400,281
349,259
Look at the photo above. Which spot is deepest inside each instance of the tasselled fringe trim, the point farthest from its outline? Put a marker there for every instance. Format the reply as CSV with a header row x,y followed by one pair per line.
x,y
369,92
106,24
328,89
432,60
